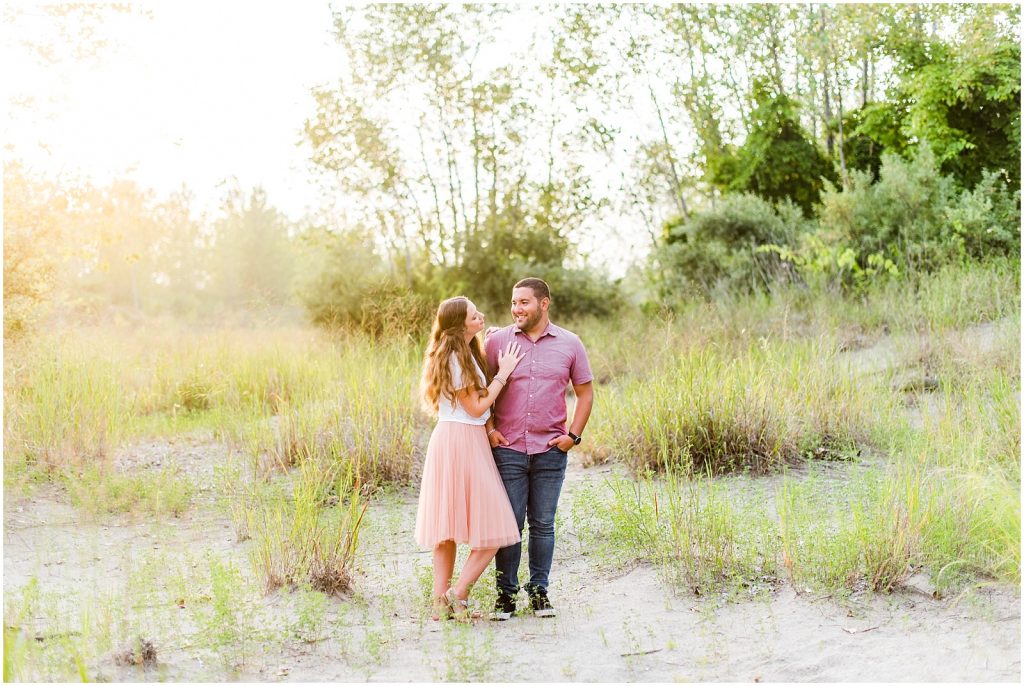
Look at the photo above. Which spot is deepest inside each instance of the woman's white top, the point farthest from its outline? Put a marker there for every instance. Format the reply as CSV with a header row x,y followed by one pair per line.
x,y
452,411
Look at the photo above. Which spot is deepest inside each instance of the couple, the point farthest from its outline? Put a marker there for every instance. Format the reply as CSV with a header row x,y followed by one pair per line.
x,y
497,456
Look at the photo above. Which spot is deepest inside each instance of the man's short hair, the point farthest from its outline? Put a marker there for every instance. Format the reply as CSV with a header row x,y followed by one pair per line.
x,y
538,286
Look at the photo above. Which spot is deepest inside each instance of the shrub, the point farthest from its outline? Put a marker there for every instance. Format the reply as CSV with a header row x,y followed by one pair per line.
x,y
310,537
718,249
709,411
986,220
346,285
902,216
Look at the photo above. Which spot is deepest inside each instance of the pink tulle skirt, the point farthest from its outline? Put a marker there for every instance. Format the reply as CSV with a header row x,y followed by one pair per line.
x,y
462,498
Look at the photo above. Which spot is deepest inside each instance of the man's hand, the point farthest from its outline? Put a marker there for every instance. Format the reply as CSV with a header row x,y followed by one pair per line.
x,y
497,439
564,443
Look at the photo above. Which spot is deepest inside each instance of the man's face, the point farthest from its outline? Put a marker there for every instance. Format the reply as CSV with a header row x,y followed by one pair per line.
x,y
527,310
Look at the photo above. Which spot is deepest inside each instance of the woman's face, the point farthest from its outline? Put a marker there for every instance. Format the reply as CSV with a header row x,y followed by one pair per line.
x,y
474,321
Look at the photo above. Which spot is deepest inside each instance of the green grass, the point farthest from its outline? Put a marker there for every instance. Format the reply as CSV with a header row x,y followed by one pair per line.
x,y
100,491
706,535
864,533
756,410
311,535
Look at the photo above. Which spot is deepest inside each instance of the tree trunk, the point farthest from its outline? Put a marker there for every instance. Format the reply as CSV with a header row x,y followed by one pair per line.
x,y
677,186
842,140
437,199
864,82
773,48
829,140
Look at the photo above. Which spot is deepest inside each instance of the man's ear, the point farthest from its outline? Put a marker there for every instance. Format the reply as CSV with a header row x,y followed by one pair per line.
x,y
545,303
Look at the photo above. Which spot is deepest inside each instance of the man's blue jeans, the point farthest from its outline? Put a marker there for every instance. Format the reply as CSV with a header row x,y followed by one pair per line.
x,y
533,484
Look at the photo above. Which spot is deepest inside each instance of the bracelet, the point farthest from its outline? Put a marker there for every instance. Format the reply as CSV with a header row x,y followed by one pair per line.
x,y
500,380
492,431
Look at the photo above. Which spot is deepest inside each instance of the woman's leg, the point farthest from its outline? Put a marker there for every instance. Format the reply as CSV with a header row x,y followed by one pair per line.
x,y
444,567
475,565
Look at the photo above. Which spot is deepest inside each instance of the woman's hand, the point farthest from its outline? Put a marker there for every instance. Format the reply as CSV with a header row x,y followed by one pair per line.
x,y
509,359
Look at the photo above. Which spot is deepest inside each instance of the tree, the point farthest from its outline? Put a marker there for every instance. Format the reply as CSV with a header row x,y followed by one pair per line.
x,y
32,232
777,161
961,96
253,263
448,160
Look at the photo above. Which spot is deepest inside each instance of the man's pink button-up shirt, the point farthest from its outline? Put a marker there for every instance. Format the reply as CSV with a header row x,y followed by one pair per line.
x,y
531,410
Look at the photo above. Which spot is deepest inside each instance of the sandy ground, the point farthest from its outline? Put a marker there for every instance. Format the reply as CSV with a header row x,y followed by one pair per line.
x,y
614,624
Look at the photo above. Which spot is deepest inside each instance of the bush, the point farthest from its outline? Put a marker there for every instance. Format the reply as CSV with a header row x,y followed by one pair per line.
x,y
902,216
986,220
914,216
718,249
495,260
347,286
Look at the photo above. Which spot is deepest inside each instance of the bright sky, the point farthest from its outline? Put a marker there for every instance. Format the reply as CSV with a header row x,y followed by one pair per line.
x,y
193,93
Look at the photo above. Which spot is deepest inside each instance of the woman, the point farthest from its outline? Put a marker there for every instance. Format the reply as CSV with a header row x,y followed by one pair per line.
x,y
462,499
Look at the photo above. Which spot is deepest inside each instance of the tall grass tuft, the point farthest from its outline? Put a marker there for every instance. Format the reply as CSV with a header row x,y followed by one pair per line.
x,y
63,407
365,417
768,405
310,536
701,532
865,533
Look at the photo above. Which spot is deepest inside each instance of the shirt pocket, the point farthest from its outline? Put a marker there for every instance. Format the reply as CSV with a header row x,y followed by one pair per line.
x,y
553,365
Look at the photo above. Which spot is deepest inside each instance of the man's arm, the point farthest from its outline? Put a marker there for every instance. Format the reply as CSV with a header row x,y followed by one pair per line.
x,y
584,404
580,415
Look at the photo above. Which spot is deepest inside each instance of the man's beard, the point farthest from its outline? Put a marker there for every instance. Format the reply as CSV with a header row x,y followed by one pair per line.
x,y
531,321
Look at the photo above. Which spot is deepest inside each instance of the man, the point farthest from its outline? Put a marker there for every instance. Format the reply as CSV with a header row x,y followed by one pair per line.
x,y
529,439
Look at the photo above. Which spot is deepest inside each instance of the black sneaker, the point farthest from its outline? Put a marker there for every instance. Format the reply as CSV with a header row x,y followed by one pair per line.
x,y
540,603
504,607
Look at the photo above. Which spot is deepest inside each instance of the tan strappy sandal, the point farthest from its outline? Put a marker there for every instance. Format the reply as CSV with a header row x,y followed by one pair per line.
x,y
458,608
441,609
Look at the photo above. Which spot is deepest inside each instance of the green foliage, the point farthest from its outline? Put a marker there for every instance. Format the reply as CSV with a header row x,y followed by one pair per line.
x,y
862,151
872,130
963,98
717,250
346,285
826,264
986,219
914,216
777,160
902,216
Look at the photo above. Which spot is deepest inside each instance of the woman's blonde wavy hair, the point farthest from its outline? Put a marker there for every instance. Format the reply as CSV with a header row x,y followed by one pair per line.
x,y
448,336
